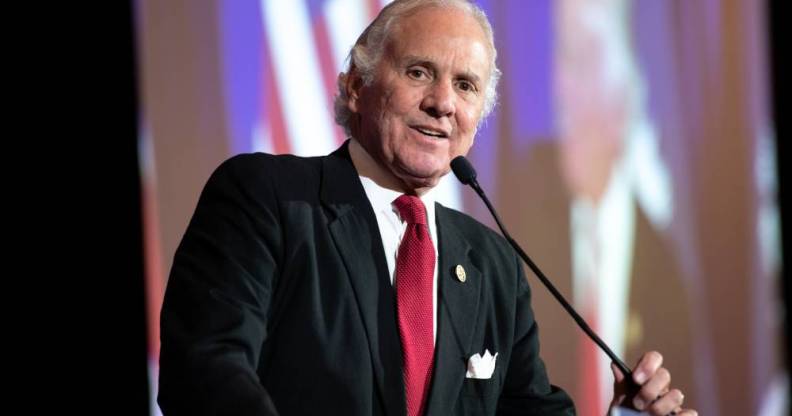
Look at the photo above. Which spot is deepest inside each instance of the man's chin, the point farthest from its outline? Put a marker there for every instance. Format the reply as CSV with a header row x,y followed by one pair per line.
x,y
421,180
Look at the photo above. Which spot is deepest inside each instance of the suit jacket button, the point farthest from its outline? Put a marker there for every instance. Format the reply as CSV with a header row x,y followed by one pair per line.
x,y
460,272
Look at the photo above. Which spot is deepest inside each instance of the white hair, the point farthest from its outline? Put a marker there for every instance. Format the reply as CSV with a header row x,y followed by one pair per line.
x,y
368,49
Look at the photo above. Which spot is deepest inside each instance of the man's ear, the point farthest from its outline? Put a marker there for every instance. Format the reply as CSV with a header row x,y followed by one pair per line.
x,y
353,83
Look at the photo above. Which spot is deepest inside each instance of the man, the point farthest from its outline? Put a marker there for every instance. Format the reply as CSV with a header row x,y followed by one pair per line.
x,y
334,285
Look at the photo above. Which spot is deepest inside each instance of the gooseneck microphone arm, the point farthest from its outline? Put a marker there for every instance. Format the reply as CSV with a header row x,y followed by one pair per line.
x,y
467,175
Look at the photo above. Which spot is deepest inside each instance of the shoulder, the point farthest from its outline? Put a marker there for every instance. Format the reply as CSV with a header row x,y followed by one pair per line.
x,y
282,174
263,165
261,181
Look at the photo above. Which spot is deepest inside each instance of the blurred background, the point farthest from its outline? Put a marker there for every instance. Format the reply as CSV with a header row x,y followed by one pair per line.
x,y
633,154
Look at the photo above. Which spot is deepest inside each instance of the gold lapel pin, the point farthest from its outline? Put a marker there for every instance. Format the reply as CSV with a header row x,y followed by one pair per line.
x,y
460,272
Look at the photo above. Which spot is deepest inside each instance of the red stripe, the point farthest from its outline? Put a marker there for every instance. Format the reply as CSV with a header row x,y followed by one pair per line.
x,y
327,67
589,388
374,7
154,276
274,111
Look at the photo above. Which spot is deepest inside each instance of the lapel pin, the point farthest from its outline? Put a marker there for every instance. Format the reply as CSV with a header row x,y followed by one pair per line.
x,y
460,272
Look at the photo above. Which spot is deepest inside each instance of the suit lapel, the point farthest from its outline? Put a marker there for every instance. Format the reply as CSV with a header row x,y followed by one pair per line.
x,y
457,311
355,233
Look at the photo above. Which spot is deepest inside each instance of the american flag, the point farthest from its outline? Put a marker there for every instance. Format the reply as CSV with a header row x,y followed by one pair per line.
x,y
304,47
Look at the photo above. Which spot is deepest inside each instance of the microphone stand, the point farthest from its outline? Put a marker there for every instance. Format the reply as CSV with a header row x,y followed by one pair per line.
x,y
467,175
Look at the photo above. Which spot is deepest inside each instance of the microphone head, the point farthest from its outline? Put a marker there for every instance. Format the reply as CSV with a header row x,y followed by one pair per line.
x,y
463,170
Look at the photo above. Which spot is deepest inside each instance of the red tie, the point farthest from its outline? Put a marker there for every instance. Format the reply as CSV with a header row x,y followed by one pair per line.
x,y
414,280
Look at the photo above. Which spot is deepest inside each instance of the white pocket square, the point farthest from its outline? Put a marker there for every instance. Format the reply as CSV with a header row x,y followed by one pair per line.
x,y
481,367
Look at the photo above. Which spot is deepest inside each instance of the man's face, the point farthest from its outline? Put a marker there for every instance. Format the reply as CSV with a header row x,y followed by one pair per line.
x,y
427,96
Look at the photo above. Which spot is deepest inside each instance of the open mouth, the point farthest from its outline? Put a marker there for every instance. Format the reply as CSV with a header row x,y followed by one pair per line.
x,y
431,132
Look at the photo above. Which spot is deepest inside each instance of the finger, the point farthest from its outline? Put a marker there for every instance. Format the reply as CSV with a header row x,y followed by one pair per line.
x,y
617,374
667,403
655,387
646,367
687,412
618,386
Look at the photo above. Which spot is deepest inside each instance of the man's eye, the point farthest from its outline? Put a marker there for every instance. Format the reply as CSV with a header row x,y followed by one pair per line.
x,y
466,86
416,73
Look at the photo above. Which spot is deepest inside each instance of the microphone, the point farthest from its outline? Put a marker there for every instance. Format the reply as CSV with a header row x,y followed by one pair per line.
x,y
464,171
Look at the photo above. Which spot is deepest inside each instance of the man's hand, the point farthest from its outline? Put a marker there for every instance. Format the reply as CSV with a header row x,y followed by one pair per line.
x,y
654,397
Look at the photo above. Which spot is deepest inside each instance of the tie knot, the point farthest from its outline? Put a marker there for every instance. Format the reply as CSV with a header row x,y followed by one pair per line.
x,y
411,209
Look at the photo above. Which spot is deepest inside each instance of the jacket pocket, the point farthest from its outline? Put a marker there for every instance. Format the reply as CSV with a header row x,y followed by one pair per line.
x,y
473,387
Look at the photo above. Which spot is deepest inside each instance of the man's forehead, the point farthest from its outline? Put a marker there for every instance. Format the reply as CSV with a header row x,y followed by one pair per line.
x,y
422,37
436,20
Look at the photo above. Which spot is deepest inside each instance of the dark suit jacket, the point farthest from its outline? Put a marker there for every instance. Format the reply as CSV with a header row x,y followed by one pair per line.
x,y
279,302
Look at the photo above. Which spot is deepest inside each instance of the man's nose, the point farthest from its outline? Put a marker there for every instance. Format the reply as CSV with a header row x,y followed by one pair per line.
x,y
440,99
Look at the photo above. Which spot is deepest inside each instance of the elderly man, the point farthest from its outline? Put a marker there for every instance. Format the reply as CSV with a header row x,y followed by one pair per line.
x,y
335,285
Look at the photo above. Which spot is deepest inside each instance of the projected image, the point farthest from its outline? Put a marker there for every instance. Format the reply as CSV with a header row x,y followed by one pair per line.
x,y
620,189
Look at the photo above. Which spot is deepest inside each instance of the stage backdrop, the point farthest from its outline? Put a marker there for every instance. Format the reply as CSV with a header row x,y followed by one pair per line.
x,y
632,153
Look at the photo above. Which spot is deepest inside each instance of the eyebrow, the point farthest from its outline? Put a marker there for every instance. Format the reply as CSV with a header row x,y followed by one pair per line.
x,y
410,60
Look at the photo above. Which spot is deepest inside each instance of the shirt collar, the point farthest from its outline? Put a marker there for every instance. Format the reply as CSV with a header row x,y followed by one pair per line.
x,y
381,198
